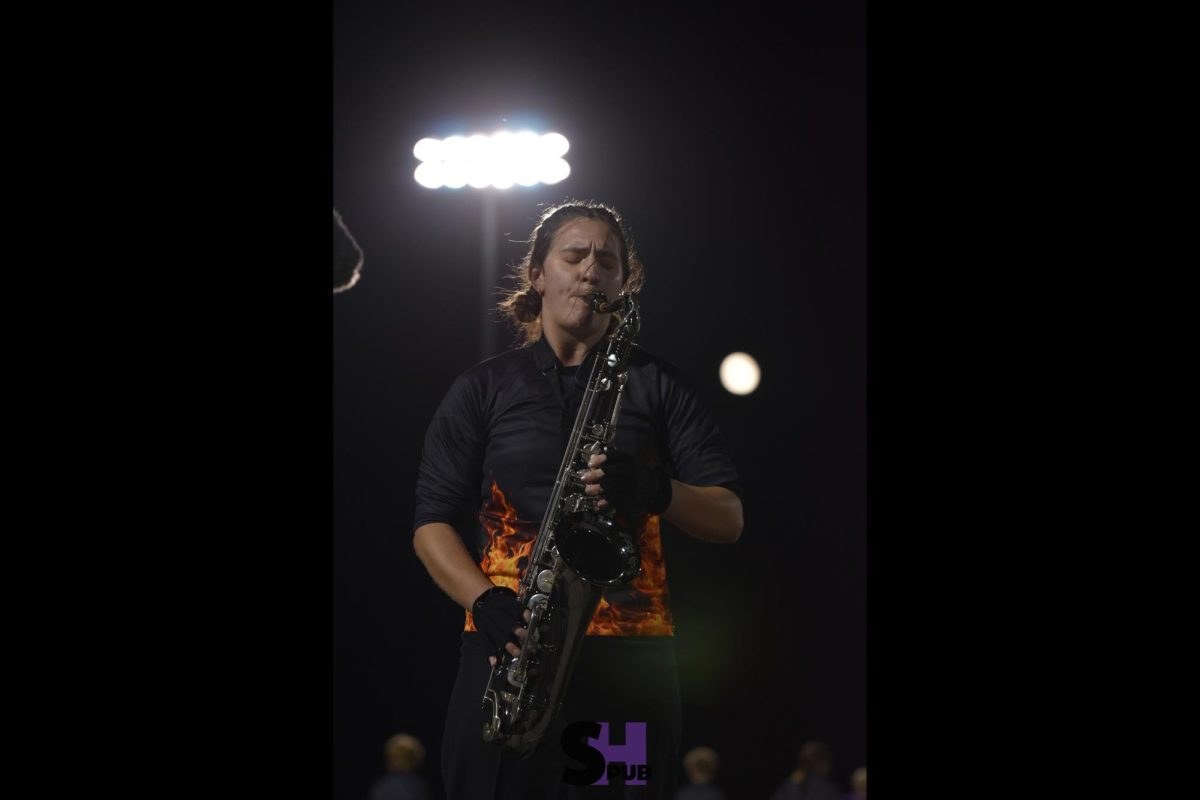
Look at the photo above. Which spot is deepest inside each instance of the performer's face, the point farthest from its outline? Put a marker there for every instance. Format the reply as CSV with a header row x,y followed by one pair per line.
x,y
584,255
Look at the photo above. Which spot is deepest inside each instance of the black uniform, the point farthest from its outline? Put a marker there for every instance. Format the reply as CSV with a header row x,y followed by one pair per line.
x,y
489,463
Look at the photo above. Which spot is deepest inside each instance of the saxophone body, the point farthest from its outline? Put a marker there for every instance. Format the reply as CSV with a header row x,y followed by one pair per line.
x,y
579,553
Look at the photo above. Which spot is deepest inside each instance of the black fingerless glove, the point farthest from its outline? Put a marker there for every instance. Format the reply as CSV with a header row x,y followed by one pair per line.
x,y
496,612
633,486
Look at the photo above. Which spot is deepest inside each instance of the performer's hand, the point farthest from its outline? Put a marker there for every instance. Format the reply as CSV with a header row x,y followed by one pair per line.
x,y
628,483
497,615
520,632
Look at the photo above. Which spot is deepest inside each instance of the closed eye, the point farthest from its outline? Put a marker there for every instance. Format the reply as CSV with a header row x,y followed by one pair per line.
x,y
607,259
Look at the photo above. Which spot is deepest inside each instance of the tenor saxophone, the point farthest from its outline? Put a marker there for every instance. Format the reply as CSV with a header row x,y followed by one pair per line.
x,y
580,552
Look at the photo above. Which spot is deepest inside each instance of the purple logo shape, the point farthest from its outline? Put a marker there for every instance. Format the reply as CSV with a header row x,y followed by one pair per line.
x,y
632,752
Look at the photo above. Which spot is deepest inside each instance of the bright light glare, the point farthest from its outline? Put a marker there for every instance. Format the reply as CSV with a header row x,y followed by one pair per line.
x,y
430,174
555,144
479,174
500,160
739,373
454,149
428,150
554,171
454,175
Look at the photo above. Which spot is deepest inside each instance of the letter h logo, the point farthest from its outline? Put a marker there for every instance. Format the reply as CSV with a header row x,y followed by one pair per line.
x,y
632,752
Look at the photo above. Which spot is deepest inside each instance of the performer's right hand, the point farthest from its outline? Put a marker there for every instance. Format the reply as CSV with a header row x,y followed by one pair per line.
x,y
498,616
520,632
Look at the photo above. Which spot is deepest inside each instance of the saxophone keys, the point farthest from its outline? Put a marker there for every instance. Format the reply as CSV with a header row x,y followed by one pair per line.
x,y
545,580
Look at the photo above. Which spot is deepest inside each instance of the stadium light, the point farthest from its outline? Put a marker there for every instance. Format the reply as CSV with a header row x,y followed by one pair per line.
x,y
500,161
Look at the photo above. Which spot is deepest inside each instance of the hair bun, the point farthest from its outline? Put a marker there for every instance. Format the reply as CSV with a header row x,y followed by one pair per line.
x,y
528,306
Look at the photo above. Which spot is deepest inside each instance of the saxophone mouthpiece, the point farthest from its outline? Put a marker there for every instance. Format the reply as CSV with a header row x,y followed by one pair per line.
x,y
602,305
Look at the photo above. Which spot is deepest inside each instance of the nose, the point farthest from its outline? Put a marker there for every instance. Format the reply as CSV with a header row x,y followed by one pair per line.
x,y
592,271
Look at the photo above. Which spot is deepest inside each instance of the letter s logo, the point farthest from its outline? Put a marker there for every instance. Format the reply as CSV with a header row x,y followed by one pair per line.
x,y
574,744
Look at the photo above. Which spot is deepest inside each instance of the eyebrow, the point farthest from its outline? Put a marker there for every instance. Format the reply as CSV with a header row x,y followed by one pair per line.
x,y
588,248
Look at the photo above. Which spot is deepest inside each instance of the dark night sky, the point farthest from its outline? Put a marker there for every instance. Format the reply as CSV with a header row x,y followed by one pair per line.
x,y
736,148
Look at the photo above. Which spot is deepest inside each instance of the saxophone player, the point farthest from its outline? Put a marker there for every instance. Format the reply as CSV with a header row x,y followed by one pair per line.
x,y
488,464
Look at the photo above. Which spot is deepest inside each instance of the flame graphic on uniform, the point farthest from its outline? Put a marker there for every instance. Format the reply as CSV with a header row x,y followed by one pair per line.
x,y
639,609
510,541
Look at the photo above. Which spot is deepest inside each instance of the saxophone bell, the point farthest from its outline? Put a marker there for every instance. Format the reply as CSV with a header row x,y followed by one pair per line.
x,y
597,549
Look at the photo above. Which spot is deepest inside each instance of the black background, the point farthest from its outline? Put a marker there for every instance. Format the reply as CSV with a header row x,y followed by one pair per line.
x,y
735,144
186,307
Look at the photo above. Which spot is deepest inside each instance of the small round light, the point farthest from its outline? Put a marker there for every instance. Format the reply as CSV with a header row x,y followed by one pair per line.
x,y
740,373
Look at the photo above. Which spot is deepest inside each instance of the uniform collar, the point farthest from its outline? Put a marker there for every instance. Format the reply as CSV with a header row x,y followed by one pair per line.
x,y
545,359
543,356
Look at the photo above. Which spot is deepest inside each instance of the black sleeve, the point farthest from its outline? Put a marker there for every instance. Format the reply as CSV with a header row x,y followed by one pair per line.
x,y
452,455
693,438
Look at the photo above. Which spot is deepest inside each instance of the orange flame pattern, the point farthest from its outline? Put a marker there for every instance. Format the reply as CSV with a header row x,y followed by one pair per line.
x,y
640,609
510,541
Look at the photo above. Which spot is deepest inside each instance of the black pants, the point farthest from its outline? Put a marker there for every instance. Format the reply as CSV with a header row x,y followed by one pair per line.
x,y
617,679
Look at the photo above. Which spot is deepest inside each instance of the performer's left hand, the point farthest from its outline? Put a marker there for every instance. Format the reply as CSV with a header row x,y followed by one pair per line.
x,y
628,483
